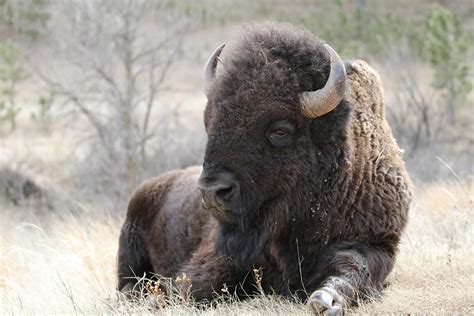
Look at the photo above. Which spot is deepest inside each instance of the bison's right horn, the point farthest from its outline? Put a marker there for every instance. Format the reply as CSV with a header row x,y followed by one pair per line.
x,y
210,69
319,102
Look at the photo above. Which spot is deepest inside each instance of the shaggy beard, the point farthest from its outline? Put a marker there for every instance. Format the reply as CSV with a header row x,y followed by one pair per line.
x,y
245,240
243,249
242,241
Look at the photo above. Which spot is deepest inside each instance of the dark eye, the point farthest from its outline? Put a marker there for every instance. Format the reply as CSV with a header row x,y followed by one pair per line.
x,y
281,133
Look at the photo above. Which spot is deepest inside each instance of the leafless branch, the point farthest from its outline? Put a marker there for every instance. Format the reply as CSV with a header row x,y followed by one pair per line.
x,y
114,63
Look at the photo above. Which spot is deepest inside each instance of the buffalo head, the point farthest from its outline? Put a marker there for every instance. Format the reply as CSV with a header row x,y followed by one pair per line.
x,y
259,124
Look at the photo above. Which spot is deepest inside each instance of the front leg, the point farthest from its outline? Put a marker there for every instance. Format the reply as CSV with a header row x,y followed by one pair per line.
x,y
209,271
350,271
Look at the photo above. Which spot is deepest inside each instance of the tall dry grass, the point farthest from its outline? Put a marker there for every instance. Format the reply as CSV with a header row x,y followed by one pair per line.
x,y
66,265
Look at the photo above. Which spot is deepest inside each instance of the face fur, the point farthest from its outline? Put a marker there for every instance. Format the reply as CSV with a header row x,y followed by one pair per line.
x,y
258,138
264,142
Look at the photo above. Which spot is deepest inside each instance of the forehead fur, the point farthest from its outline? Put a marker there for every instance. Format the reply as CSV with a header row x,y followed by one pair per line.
x,y
271,60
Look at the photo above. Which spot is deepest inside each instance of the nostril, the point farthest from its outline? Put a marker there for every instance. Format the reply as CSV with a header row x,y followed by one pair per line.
x,y
225,194
218,190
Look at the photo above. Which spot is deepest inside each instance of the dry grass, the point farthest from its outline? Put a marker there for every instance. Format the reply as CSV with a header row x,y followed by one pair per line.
x,y
68,266
435,269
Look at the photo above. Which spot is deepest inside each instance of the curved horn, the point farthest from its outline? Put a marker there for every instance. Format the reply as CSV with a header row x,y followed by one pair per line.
x,y
322,101
210,68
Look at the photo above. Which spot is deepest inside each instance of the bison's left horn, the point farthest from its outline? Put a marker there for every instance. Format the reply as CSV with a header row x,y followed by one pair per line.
x,y
319,102
210,68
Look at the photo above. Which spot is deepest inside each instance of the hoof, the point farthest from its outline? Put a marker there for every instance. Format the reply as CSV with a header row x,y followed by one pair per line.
x,y
326,301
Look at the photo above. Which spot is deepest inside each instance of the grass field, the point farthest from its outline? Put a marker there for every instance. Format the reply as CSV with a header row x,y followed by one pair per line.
x,y
66,264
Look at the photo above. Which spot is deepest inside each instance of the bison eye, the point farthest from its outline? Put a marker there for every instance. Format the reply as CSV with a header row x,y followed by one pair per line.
x,y
281,133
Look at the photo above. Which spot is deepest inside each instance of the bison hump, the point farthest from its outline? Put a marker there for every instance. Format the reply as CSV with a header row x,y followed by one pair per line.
x,y
365,87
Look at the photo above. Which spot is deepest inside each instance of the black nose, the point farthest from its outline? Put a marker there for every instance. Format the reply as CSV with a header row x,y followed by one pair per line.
x,y
218,190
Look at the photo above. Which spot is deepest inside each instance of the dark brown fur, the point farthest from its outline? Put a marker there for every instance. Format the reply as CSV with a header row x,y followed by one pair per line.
x,y
326,211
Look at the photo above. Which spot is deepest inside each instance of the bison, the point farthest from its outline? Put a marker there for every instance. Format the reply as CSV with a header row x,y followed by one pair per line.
x,y
302,179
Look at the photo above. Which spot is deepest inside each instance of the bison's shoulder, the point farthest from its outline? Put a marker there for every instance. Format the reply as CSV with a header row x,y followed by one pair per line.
x,y
154,193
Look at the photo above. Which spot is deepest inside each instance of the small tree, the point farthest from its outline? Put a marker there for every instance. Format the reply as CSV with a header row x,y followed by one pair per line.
x,y
12,73
116,68
24,16
446,47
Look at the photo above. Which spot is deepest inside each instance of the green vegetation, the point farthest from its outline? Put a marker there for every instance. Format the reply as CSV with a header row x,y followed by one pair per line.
x,y
446,48
12,73
361,30
439,41
25,17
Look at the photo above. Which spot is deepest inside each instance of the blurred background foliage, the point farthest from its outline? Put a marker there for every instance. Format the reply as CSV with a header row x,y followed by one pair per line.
x,y
12,72
27,17
128,75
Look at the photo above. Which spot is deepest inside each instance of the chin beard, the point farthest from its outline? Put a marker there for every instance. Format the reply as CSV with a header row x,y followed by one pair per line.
x,y
243,248
243,241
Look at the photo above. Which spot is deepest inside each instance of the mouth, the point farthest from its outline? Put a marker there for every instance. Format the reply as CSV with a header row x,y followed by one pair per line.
x,y
221,214
228,216
224,216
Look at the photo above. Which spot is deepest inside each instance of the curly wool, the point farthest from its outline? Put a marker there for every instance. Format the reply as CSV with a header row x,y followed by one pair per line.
x,y
274,58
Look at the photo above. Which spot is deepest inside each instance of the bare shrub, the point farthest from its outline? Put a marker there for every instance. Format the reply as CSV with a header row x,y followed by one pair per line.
x,y
421,121
18,189
115,66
